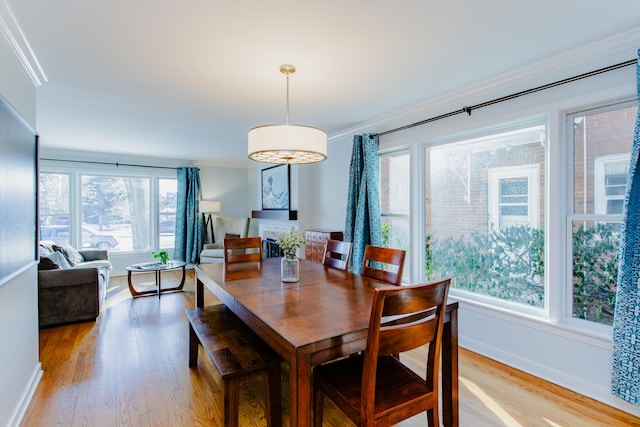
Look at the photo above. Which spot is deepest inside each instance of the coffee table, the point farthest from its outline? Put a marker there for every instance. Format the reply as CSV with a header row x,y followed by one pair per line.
x,y
157,268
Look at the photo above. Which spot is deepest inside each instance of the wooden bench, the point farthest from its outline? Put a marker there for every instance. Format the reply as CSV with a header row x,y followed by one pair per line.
x,y
236,352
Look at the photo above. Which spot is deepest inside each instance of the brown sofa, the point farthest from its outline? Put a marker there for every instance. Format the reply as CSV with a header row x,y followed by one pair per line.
x,y
72,285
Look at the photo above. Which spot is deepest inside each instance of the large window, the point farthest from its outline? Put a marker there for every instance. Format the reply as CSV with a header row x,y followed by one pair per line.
x,y
395,191
122,213
484,207
602,141
54,207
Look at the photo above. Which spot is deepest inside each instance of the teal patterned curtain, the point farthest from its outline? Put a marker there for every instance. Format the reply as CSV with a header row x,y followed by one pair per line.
x,y
189,224
625,381
362,224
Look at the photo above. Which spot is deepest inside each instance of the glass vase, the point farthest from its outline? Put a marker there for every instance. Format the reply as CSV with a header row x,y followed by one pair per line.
x,y
290,268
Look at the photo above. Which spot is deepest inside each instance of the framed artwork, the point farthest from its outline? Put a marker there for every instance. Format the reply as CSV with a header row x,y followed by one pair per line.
x,y
275,188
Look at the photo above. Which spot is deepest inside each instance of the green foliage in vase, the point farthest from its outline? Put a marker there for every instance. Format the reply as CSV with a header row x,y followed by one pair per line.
x,y
290,241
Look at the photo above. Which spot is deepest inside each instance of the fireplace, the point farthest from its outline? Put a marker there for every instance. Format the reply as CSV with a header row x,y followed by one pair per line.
x,y
270,248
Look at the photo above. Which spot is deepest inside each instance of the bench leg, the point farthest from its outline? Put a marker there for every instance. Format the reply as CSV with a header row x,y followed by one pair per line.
x,y
231,407
193,347
274,397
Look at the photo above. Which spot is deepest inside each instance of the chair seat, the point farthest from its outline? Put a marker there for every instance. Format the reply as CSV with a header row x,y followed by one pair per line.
x,y
395,383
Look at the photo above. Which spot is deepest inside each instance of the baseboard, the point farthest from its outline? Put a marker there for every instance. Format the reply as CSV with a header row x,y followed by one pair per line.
x,y
21,410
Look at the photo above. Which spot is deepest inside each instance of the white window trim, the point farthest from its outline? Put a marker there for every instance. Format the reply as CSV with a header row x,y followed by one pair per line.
x,y
600,199
532,173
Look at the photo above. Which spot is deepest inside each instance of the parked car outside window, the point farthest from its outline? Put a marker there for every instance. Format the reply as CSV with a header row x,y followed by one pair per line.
x,y
90,238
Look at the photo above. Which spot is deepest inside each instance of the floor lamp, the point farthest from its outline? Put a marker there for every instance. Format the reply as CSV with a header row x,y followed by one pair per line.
x,y
208,207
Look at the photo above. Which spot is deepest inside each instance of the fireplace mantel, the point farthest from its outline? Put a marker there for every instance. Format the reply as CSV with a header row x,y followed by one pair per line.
x,y
276,214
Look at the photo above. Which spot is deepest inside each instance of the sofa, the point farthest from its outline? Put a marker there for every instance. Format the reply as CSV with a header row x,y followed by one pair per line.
x,y
72,284
223,227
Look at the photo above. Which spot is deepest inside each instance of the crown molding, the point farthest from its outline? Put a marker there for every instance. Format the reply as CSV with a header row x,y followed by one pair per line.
x,y
10,27
618,48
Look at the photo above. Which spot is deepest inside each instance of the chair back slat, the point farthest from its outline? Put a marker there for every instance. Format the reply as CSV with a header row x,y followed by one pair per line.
x,y
337,254
384,264
248,249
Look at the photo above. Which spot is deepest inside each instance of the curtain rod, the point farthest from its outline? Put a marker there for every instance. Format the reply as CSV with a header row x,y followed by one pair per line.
x,y
116,164
468,109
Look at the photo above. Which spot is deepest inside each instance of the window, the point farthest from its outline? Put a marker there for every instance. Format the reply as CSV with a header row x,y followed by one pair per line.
x,y
472,183
115,212
118,212
395,173
167,200
514,196
602,141
54,207
610,181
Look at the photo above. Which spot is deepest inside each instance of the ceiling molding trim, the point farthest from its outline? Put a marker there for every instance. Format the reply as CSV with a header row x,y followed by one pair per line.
x,y
605,52
18,42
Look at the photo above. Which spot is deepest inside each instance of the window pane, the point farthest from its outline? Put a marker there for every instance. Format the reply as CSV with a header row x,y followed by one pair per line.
x,y
115,213
168,189
595,270
465,182
602,142
395,203
54,207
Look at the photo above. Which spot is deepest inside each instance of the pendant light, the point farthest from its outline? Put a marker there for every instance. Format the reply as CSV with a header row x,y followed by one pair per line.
x,y
287,144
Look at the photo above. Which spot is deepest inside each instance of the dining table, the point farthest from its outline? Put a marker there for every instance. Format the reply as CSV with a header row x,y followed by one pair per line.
x,y
322,317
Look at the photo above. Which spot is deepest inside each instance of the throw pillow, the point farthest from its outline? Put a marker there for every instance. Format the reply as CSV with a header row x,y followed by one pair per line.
x,y
46,263
70,253
231,236
59,259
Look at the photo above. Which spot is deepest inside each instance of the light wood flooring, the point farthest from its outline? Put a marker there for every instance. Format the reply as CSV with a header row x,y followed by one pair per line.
x,y
130,368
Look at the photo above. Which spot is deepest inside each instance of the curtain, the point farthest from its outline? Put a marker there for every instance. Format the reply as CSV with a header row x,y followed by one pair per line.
x,y
189,224
362,224
625,381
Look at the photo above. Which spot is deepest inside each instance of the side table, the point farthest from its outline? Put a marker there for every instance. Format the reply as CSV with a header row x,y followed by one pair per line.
x,y
157,268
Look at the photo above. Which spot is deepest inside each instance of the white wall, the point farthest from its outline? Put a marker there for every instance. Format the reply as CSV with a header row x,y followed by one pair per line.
x,y
19,367
546,347
228,185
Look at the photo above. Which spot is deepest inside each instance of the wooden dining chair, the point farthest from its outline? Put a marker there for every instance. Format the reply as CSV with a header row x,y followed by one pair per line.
x,y
375,388
247,249
385,264
336,254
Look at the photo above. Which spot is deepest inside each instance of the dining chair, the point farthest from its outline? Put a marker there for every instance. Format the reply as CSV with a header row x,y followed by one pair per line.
x,y
392,261
247,249
336,254
375,388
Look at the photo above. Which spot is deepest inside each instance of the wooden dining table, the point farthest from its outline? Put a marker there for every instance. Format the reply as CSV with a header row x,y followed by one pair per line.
x,y
322,317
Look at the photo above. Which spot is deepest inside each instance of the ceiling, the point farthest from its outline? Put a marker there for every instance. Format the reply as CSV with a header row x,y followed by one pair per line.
x,y
188,79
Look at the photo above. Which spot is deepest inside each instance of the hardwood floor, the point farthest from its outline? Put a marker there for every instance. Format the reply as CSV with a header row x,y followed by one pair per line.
x,y
130,368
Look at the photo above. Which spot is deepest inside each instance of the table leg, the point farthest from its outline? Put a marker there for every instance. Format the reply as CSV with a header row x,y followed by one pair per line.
x,y
450,407
199,293
158,282
136,293
300,389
